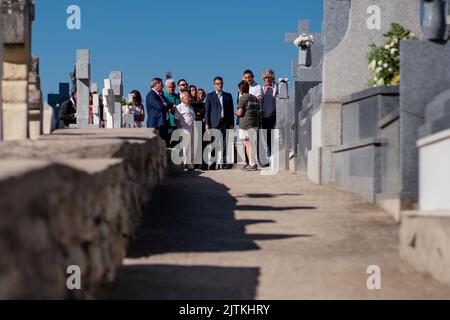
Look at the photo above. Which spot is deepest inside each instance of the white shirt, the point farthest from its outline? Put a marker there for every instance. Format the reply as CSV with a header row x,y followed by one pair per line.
x,y
186,116
256,90
220,95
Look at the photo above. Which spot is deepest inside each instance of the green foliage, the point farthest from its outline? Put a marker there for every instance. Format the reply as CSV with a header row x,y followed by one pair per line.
x,y
384,61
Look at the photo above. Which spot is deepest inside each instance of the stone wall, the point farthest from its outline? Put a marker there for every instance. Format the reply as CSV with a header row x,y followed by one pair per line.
x,y
73,198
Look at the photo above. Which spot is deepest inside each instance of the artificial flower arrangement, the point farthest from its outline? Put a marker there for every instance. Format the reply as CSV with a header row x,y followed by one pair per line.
x,y
304,41
384,61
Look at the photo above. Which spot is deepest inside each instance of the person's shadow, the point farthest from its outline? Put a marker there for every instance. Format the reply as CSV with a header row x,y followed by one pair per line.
x,y
190,214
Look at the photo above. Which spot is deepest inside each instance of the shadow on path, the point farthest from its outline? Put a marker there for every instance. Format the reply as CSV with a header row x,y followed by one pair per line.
x,y
169,282
190,214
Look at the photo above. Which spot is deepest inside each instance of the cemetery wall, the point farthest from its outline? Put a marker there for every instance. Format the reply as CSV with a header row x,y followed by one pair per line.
x,y
73,198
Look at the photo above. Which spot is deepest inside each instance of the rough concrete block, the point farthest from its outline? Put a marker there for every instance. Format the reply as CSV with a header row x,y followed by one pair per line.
x,y
425,242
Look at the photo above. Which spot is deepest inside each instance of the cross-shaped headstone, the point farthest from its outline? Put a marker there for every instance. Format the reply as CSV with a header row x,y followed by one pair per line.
x,y
303,27
55,100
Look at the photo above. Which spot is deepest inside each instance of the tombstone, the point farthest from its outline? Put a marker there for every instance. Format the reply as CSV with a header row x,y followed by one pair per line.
x,y
35,103
17,16
117,87
95,105
424,167
48,119
83,76
108,104
335,23
1,68
311,102
422,64
309,89
308,69
55,100
345,71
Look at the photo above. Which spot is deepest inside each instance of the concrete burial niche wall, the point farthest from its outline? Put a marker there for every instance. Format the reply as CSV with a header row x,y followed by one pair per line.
x,y
363,164
425,74
75,201
17,18
345,71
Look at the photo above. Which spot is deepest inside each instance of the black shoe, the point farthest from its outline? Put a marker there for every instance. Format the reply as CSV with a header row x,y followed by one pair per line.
x,y
227,167
212,167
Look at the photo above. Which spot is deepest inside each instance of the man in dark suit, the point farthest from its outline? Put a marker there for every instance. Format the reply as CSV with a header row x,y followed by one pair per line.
x,y
219,113
68,111
157,107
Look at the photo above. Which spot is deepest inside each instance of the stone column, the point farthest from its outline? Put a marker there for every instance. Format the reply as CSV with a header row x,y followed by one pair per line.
x,y
95,105
17,18
283,125
83,74
35,103
108,104
117,87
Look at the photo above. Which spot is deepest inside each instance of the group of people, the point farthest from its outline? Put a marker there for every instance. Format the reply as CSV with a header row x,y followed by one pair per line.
x,y
256,109
166,110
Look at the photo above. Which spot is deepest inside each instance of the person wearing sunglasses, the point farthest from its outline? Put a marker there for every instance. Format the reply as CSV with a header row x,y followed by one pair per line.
x,y
183,85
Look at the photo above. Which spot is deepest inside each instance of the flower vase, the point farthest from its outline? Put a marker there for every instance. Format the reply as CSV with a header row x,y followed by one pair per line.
x,y
434,25
302,57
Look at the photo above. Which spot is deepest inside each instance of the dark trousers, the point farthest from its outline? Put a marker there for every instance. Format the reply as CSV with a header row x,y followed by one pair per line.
x,y
164,134
269,125
223,129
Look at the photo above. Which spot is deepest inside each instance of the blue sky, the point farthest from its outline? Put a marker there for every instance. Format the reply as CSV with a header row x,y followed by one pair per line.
x,y
196,39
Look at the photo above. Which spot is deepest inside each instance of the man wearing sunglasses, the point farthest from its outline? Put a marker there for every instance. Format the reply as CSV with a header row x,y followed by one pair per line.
x,y
183,85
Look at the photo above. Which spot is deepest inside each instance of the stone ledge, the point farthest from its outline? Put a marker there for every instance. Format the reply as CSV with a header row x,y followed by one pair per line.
x,y
390,118
360,144
437,137
425,242
371,92
78,203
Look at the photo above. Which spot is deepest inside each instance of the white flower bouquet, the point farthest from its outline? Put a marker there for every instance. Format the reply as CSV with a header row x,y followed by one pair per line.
x,y
304,41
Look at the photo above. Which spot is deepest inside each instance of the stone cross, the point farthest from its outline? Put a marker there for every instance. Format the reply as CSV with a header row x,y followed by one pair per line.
x,y
83,75
95,105
304,55
56,99
35,103
117,87
17,18
108,104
